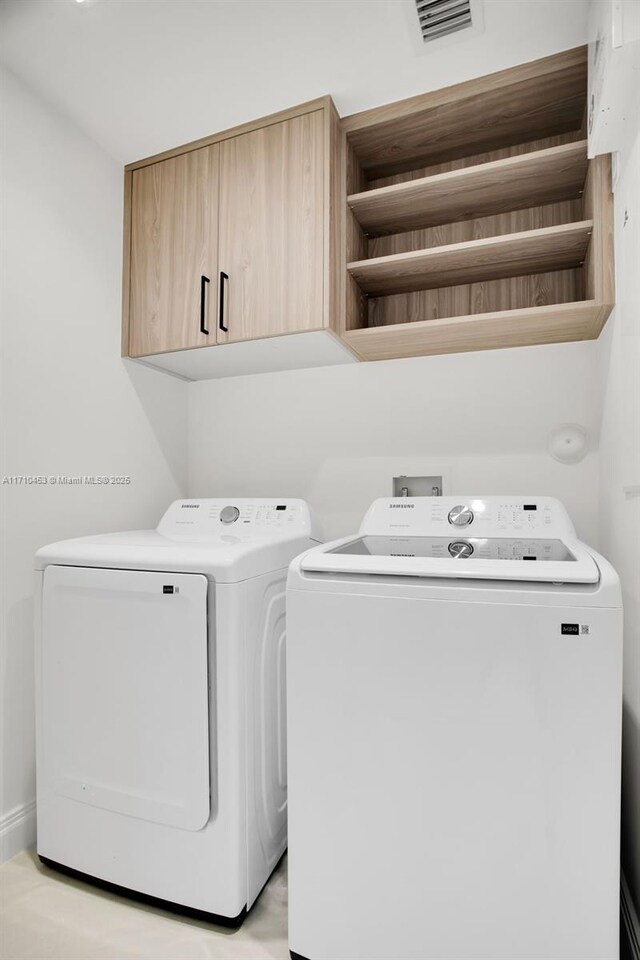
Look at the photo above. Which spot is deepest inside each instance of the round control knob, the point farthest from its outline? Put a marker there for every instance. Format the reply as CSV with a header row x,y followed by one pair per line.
x,y
460,549
229,514
461,515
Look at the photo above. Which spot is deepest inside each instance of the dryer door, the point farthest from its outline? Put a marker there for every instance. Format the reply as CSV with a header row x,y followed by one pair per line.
x,y
125,692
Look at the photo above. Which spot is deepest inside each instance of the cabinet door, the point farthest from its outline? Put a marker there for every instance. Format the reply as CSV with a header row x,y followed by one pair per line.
x,y
271,230
174,224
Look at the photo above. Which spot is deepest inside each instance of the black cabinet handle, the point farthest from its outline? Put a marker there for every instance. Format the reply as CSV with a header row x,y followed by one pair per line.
x,y
223,276
203,304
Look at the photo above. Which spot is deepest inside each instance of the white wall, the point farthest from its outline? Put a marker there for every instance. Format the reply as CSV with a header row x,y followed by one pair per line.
x,y
337,435
69,405
620,482
188,67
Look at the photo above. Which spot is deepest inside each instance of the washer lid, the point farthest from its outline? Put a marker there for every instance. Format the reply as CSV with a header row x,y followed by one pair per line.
x,y
537,560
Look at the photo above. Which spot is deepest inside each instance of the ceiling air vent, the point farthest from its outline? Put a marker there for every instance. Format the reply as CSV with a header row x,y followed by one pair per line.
x,y
439,18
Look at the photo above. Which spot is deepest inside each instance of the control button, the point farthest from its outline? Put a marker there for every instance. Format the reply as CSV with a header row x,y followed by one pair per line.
x,y
229,514
461,515
460,549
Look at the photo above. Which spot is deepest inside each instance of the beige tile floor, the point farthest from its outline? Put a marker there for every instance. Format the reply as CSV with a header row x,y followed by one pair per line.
x,y
47,916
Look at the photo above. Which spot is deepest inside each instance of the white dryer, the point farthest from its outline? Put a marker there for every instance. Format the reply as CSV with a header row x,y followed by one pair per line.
x,y
160,688
454,711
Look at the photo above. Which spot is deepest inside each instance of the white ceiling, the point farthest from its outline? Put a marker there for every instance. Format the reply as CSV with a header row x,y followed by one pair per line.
x,y
141,76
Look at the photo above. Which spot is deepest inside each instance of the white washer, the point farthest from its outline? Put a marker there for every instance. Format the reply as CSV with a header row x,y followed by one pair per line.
x,y
454,714
161,742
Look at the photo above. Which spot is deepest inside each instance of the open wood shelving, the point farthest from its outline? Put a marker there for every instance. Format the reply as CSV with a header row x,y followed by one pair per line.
x,y
452,205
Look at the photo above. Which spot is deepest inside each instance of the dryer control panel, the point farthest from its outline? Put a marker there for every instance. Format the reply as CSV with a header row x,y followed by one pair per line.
x,y
467,516
208,519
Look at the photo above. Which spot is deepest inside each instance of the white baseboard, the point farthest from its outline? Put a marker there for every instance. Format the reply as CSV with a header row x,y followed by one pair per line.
x,y
630,919
17,830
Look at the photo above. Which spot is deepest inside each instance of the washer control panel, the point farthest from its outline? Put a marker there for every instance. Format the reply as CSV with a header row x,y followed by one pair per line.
x,y
208,519
504,517
518,515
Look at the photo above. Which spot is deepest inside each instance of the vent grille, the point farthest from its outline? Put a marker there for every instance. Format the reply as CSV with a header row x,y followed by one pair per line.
x,y
439,18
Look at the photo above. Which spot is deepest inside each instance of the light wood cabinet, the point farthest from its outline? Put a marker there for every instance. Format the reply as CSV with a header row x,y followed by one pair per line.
x,y
468,218
237,240
174,238
271,230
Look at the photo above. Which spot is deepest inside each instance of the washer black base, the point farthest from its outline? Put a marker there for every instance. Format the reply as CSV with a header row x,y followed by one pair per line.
x,y
191,912
297,956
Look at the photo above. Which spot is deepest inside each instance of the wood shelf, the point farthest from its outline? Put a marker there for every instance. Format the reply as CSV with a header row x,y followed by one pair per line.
x,y
515,254
559,323
527,180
